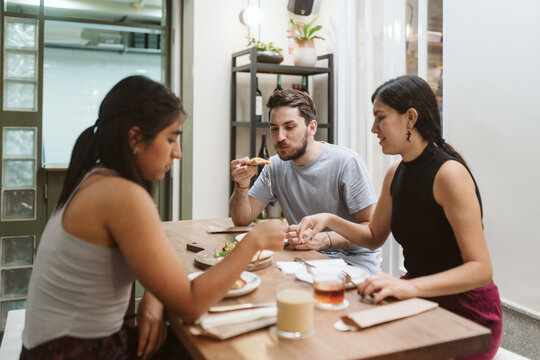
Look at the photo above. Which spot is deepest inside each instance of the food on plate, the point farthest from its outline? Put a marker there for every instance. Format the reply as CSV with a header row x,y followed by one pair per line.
x,y
239,284
265,254
229,246
258,161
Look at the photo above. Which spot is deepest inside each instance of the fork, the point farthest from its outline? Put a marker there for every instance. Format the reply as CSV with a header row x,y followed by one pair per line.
x,y
349,280
308,265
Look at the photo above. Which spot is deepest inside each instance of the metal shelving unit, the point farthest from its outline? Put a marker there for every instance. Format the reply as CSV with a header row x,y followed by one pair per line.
x,y
254,68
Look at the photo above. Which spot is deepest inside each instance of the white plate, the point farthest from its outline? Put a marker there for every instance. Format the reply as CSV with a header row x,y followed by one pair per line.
x,y
252,280
239,237
358,275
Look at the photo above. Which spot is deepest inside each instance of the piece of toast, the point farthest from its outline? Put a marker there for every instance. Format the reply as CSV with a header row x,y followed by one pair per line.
x,y
258,161
265,254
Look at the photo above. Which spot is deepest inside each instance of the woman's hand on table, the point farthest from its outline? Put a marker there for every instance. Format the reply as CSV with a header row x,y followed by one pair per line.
x,y
310,226
269,234
382,285
317,242
151,325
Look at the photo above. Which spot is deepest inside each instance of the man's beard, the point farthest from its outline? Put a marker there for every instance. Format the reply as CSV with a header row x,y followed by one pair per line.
x,y
298,153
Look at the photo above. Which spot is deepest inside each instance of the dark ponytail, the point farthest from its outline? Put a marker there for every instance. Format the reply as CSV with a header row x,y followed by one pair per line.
x,y
83,158
409,91
134,101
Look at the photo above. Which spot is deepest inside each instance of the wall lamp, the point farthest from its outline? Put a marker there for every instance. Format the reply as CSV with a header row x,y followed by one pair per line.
x,y
251,16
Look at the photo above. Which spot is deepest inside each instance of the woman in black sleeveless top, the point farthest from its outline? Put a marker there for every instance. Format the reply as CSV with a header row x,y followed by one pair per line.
x,y
432,206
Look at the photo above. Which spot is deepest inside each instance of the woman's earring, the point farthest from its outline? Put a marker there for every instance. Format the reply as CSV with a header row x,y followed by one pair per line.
x,y
408,135
134,152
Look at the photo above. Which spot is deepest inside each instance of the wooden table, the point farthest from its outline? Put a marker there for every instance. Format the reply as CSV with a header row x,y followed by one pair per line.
x,y
436,334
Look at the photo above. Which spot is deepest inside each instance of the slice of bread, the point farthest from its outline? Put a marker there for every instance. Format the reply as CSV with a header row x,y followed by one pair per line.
x,y
265,254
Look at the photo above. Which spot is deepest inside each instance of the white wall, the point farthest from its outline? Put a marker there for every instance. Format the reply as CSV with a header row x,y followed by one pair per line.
x,y
491,96
218,34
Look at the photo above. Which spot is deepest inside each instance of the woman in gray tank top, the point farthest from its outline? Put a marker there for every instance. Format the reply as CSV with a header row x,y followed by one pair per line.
x,y
106,232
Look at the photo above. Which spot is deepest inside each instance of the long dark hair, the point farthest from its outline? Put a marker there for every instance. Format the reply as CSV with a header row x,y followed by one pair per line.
x,y
409,91
134,101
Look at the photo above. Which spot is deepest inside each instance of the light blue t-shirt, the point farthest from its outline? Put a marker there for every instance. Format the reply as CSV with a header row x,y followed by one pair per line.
x,y
336,182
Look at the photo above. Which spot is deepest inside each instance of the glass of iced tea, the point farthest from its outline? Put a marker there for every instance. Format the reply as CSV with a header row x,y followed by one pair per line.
x,y
294,311
329,288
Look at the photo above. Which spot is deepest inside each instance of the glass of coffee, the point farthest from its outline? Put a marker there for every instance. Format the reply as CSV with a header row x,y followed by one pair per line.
x,y
329,288
294,311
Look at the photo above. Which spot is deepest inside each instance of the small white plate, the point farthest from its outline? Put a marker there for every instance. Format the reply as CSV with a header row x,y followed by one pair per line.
x,y
341,326
252,280
345,304
239,237
358,275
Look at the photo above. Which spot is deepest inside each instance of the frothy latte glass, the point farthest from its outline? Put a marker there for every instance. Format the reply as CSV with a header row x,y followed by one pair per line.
x,y
295,311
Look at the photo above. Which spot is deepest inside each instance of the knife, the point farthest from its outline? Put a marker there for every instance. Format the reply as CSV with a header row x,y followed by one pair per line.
x,y
224,308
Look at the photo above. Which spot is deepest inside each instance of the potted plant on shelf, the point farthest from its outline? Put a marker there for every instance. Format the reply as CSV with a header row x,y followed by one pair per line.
x,y
267,52
304,36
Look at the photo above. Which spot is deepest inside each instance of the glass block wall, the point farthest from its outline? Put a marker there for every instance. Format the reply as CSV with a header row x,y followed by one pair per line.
x,y
20,64
16,260
19,158
19,162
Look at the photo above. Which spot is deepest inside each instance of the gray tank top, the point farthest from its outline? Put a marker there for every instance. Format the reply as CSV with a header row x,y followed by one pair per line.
x,y
77,288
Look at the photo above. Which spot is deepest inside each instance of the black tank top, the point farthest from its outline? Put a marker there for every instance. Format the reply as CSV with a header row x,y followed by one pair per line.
x,y
418,223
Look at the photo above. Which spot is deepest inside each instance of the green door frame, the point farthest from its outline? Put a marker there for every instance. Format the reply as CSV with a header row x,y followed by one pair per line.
x,y
187,17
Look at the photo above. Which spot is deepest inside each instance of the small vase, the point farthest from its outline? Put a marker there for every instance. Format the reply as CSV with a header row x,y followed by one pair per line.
x,y
304,53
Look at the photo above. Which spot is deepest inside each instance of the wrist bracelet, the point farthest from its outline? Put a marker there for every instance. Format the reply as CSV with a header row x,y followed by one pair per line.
x,y
243,188
329,239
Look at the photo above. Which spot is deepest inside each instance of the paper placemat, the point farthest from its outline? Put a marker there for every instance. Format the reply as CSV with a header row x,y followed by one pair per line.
x,y
229,331
226,325
290,267
385,313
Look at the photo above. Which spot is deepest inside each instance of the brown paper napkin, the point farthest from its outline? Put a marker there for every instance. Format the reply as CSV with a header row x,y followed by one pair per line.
x,y
385,313
230,229
226,325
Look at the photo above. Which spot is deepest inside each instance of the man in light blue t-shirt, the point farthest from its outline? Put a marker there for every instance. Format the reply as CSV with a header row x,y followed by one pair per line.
x,y
307,177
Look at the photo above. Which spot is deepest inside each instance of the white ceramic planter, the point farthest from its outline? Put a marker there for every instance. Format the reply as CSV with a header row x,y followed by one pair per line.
x,y
304,53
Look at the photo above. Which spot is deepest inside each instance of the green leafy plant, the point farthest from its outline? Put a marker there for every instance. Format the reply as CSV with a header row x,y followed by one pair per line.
x,y
261,46
306,32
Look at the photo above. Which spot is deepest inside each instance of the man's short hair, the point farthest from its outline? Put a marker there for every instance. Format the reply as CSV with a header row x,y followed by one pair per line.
x,y
293,98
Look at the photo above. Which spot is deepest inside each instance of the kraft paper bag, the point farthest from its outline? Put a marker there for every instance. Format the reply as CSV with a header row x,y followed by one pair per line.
x,y
384,313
